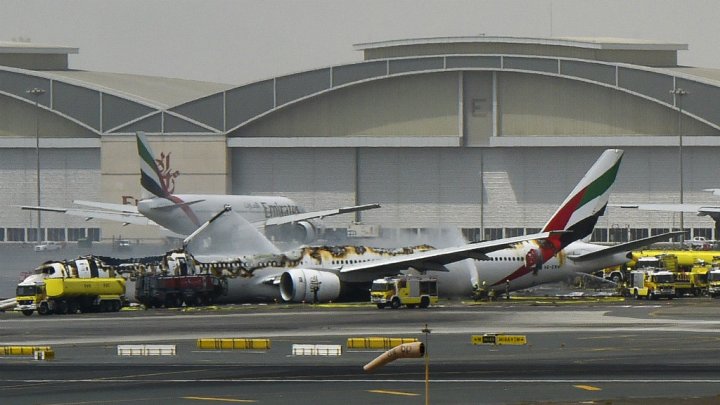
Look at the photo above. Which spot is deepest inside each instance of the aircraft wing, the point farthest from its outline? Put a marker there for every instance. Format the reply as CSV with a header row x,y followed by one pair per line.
x,y
692,208
437,259
134,218
288,219
625,247
107,206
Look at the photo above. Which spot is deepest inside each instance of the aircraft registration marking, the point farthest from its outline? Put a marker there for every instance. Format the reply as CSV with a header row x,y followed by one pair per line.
x,y
407,394
588,387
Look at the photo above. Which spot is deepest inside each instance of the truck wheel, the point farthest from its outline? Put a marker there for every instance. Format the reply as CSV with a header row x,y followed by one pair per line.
x,y
380,305
27,312
635,294
395,303
43,309
424,302
173,302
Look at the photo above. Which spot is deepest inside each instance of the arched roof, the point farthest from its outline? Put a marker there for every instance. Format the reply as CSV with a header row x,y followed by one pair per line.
x,y
120,104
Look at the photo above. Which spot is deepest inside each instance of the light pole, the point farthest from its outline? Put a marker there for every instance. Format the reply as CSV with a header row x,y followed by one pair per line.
x,y
37,92
677,93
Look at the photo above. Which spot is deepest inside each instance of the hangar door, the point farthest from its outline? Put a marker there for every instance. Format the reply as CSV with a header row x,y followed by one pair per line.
x,y
315,178
65,175
421,187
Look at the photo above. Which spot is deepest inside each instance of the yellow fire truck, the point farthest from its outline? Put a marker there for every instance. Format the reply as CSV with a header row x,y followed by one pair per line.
x,y
407,290
714,283
652,285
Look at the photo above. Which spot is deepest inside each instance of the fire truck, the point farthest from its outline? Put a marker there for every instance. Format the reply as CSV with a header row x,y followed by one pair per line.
x,y
652,284
154,290
408,290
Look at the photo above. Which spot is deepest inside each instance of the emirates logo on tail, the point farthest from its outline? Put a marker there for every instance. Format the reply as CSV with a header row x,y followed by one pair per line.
x,y
167,175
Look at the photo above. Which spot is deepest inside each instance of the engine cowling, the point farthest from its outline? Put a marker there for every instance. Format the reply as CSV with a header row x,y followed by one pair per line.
x,y
303,231
304,285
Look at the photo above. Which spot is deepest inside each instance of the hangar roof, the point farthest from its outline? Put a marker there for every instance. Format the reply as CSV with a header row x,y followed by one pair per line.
x,y
27,55
577,42
623,50
112,103
28,47
704,73
162,91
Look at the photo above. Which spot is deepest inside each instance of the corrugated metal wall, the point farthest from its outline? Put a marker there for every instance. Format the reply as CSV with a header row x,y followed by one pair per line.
x,y
440,187
314,178
66,175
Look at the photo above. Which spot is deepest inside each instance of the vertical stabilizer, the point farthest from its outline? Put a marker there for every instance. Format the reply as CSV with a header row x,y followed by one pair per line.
x,y
580,211
150,181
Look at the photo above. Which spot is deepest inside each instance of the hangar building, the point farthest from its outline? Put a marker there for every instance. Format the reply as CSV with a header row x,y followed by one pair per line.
x,y
487,134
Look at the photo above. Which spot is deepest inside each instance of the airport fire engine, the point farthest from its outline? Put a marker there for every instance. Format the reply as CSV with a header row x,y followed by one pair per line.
x,y
407,290
652,284
154,290
713,279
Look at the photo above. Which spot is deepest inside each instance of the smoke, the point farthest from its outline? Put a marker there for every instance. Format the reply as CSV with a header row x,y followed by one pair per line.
x,y
436,237
230,236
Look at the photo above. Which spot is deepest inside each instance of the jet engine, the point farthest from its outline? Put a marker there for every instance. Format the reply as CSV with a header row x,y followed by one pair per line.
x,y
304,285
303,232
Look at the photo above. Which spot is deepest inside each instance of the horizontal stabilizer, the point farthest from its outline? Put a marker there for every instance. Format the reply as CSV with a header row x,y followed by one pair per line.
x,y
691,208
625,247
167,204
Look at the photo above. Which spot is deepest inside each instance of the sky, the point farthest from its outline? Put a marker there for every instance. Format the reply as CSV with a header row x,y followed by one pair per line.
x,y
241,41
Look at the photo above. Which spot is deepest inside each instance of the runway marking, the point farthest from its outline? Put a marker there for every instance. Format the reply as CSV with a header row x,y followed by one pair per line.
x,y
220,399
615,337
365,380
588,387
407,394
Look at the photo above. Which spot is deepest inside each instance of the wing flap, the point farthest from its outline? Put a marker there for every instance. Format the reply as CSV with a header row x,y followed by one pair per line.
x,y
89,214
107,206
288,219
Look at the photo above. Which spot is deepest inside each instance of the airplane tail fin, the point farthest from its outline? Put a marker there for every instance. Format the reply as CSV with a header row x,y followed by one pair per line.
x,y
152,185
580,211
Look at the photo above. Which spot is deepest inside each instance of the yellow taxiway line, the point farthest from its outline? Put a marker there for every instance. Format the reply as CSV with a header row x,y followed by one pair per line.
x,y
588,387
220,399
407,394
